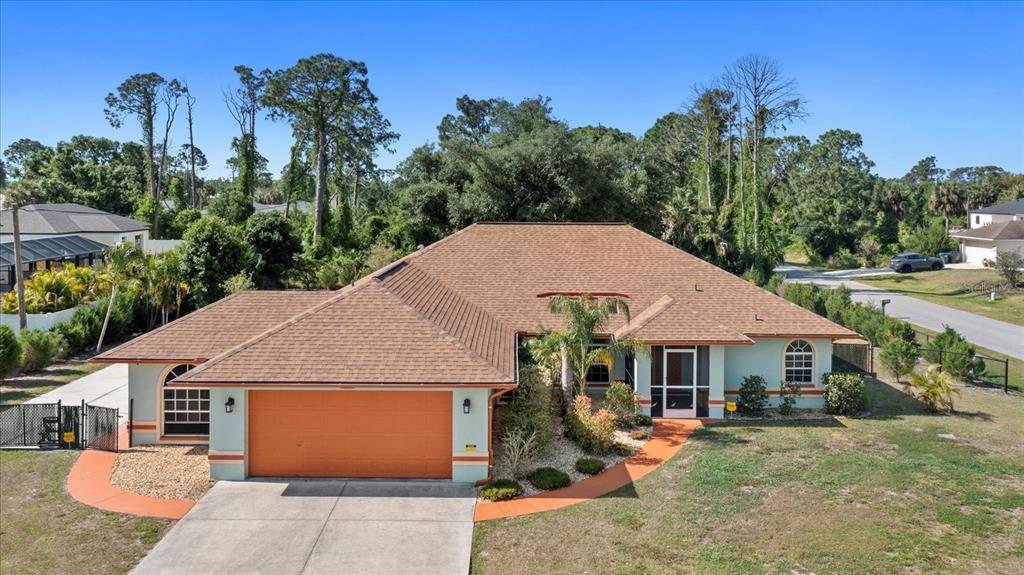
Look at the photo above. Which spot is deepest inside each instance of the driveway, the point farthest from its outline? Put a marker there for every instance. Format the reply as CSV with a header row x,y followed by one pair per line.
x,y
107,387
1006,338
321,526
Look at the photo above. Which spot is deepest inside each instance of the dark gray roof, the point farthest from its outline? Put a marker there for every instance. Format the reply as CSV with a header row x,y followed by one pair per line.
x,y
49,249
68,219
1012,230
1009,208
302,206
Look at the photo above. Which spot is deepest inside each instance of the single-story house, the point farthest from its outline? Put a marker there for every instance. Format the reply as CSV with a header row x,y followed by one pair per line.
x,y
38,221
396,375
994,229
47,254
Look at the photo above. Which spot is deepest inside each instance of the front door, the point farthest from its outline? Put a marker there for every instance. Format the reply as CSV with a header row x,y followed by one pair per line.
x,y
678,390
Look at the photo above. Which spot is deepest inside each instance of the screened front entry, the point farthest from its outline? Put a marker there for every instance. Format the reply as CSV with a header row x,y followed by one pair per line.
x,y
679,392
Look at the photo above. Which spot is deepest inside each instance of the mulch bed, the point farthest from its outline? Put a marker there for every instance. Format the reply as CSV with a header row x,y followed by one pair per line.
x,y
164,471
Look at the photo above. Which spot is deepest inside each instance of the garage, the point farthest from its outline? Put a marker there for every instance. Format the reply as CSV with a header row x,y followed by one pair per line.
x,y
396,434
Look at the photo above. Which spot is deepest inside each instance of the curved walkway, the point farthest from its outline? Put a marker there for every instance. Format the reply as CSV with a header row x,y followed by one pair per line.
x,y
89,483
668,437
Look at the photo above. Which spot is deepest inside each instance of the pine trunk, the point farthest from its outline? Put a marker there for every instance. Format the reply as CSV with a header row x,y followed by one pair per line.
x,y
321,184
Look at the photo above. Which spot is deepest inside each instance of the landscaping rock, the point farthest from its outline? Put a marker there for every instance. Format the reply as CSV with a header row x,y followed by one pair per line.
x,y
165,471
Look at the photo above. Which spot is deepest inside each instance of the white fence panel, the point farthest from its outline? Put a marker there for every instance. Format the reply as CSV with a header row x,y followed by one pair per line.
x,y
43,321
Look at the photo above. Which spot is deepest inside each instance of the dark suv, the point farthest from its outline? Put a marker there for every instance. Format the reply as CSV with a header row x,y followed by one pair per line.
x,y
911,261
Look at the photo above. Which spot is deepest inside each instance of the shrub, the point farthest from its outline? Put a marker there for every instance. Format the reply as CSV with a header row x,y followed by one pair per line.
x,y
640,434
10,351
38,348
529,408
788,393
843,260
1009,264
844,393
899,357
870,248
519,447
592,431
645,420
933,387
955,354
589,465
622,402
753,395
548,478
501,489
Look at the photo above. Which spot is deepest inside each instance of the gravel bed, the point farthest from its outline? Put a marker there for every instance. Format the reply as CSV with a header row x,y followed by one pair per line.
x,y
165,471
562,454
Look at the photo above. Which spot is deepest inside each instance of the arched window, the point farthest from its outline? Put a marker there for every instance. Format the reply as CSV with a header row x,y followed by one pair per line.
x,y
186,410
799,362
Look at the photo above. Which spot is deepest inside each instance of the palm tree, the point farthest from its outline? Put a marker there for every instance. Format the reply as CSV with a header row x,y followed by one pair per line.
x,y
584,316
947,199
123,263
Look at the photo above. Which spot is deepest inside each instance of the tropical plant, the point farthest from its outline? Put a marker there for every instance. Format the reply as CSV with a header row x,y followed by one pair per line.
x,y
54,290
622,402
10,351
593,432
899,356
123,264
501,490
870,248
789,392
529,408
38,349
583,316
934,387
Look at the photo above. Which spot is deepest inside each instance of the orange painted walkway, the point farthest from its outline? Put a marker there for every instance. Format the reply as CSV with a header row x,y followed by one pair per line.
x,y
669,435
89,483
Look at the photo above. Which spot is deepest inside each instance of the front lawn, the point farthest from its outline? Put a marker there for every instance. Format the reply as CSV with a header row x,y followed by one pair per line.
x,y
952,288
45,531
26,386
898,491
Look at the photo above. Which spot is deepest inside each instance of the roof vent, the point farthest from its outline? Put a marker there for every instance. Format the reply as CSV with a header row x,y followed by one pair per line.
x,y
757,318
696,288
419,247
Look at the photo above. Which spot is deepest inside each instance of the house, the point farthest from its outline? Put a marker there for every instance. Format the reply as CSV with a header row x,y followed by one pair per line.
x,y
994,229
396,374
38,221
47,254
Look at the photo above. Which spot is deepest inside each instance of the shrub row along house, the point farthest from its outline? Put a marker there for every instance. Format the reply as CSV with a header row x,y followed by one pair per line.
x,y
396,374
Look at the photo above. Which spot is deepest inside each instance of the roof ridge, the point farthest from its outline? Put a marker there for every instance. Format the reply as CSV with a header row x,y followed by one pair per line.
x,y
643,320
342,293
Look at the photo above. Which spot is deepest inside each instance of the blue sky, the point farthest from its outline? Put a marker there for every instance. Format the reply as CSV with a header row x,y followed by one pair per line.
x,y
915,79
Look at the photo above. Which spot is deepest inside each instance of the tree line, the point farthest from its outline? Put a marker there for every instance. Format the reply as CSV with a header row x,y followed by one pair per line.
x,y
720,177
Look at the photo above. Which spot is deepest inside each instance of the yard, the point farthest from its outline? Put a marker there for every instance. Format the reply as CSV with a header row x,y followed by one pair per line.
x,y
952,288
899,490
45,531
24,387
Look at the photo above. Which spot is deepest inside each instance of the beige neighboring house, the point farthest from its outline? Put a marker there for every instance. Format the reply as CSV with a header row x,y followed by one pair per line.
x,y
994,229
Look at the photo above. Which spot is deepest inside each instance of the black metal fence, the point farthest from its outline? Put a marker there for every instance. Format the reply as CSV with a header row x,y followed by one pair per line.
x,y
57,426
857,357
981,369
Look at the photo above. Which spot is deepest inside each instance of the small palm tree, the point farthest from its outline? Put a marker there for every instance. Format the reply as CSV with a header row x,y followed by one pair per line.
x,y
947,200
584,316
123,263
934,387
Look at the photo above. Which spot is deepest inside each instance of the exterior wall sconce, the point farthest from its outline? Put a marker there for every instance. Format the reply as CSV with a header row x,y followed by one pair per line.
x,y
465,405
229,405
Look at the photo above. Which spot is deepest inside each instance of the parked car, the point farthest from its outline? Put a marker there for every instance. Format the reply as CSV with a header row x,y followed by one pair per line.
x,y
912,261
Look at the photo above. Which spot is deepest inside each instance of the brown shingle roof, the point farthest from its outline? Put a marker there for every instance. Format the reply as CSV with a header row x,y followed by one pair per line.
x,y
1011,230
363,335
216,328
666,322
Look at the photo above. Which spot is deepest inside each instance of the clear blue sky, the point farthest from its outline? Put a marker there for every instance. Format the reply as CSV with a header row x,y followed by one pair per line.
x,y
915,79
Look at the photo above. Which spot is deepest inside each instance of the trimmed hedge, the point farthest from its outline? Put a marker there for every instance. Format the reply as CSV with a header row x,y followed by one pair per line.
x,y
548,478
844,393
38,349
589,465
10,351
501,490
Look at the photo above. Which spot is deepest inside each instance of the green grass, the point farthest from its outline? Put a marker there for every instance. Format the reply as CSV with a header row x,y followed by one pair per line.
x,y
45,531
948,287
878,494
994,370
24,387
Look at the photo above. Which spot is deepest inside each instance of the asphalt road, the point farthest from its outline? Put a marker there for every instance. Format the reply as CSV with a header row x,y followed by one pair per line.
x,y
993,334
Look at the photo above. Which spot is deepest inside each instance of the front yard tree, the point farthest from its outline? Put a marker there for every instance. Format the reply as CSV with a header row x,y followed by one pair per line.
x,y
274,244
584,316
123,263
899,357
318,95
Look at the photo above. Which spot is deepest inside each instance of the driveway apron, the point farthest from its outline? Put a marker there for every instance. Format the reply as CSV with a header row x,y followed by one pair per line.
x,y
321,526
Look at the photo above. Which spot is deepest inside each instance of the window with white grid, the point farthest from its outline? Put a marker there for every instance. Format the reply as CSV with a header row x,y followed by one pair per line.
x,y
799,362
186,411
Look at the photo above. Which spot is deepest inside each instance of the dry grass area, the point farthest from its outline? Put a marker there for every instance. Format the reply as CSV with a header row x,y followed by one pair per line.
x,y
899,490
44,531
166,471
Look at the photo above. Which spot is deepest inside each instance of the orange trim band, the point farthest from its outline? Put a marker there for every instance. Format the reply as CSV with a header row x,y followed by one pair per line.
x,y
136,426
716,402
194,360
221,457
735,392
284,386
186,438
484,458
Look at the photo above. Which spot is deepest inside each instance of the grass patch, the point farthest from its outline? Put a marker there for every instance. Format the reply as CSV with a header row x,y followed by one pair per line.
x,y
948,287
883,493
45,531
24,387
994,370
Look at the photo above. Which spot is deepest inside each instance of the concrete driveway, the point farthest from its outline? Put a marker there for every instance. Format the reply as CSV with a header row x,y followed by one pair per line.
x,y
107,387
321,526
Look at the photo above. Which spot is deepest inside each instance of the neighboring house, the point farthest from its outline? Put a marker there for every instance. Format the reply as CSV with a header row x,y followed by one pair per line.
x,y
994,229
299,206
37,221
47,254
396,374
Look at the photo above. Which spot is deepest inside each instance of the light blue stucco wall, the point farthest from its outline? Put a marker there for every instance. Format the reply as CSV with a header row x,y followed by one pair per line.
x,y
618,365
469,432
228,432
716,380
765,358
143,386
643,381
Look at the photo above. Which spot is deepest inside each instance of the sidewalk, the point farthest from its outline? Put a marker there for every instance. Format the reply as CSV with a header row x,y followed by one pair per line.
x,y
107,387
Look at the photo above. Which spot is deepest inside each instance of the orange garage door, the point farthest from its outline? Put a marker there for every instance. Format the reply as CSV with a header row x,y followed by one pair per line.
x,y
350,434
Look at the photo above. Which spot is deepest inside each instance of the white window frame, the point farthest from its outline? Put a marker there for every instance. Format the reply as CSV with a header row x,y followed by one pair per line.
x,y
801,355
182,395
594,345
